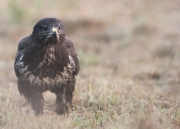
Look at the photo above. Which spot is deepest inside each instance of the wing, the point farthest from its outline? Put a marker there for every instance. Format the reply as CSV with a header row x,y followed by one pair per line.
x,y
72,51
24,43
25,57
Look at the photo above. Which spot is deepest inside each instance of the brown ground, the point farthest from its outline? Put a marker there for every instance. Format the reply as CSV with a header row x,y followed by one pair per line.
x,y
130,63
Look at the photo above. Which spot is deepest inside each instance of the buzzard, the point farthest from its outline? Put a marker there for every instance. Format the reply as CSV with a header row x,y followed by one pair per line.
x,y
47,60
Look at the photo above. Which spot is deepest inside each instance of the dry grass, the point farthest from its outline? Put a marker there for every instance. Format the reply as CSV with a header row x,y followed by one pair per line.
x,y
130,64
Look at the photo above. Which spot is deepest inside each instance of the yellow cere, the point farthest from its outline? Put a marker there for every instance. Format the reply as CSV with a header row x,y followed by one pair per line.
x,y
54,29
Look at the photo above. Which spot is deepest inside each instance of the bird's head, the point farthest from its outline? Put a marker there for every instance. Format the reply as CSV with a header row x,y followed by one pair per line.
x,y
49,30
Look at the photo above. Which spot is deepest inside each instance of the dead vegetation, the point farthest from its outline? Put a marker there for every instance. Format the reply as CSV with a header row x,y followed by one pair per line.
x,y
130,64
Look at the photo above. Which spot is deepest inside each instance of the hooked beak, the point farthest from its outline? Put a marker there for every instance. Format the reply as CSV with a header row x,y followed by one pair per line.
x,y
54,32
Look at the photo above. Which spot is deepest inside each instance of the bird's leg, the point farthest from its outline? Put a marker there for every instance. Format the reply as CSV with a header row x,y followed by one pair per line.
x,y
69,96
34,97
37,102
63,101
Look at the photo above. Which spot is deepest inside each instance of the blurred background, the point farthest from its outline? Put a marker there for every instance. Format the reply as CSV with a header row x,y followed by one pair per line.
x,y
127,49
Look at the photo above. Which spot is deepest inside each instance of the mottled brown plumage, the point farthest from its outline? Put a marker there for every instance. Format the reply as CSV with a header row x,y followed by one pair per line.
x,y
47,60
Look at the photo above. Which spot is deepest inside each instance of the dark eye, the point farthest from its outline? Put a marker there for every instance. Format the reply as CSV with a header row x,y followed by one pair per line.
x,y
59,27
44,28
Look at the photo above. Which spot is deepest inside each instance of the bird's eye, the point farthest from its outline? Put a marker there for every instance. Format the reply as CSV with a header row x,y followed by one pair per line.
x,y
59,27
44,28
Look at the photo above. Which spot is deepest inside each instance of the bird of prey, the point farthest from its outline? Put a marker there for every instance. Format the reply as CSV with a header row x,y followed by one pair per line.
x,y
47,60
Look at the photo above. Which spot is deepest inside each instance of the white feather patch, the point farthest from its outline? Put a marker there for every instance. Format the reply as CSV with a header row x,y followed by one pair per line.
x,y
22,70
71,65
31,78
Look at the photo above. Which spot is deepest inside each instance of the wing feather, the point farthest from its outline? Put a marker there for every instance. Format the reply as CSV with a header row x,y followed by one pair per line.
x,y
24,56
72,51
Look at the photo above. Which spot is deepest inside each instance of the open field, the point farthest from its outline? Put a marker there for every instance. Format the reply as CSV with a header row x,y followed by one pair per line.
x,y
129,53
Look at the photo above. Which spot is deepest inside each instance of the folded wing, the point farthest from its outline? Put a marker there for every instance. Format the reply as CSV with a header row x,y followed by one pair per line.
x,y
74,61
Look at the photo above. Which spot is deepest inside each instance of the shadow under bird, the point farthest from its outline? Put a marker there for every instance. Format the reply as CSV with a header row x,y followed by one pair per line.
x,y
47,60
